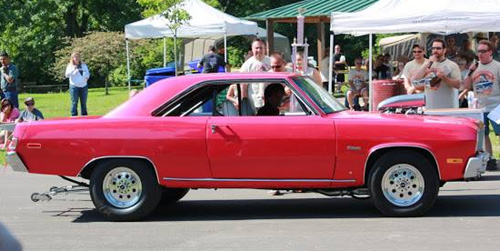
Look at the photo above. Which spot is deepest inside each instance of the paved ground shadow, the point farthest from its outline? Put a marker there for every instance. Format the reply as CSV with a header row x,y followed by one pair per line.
x,y
309,208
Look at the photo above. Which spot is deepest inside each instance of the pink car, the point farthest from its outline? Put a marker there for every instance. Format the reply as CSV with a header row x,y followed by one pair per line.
x,y
183,133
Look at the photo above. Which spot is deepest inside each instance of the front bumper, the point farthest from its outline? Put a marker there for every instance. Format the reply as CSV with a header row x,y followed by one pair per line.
x,y
15,162
476,165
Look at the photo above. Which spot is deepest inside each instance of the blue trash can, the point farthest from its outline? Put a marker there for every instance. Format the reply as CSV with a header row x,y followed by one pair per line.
x,y
155,74
193,66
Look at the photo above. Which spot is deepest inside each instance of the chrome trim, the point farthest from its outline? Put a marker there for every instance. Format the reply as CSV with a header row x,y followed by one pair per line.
x,y
257,180
476,165
480,139
399,146
119,157
15,162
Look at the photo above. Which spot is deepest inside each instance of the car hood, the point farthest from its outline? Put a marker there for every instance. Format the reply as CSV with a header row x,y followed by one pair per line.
x,y
401,119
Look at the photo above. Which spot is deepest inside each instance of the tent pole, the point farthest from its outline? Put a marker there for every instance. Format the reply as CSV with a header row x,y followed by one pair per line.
x,y
330,63
225,50
175,54
370,73
165,52
128,63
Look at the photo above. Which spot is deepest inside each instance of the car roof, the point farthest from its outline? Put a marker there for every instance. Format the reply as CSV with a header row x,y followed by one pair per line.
x,y
149,99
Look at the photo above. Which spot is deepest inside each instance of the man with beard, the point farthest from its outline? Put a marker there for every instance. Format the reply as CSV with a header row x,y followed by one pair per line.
x,y
441,91
485,80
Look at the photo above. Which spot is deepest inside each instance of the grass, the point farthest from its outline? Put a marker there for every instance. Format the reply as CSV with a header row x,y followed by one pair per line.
x,y
56,105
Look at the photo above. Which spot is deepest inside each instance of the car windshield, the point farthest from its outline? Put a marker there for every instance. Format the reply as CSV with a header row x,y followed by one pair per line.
x,y
320,96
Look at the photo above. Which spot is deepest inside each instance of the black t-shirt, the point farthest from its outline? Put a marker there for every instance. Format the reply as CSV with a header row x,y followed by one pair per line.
x,y
336,57
382,72
211,63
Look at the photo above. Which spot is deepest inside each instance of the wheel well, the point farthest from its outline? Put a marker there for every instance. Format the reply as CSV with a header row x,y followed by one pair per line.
x,y
89,168
380,152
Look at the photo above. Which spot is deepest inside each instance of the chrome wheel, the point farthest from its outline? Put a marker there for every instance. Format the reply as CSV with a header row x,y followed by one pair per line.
x,y
122,187
403,185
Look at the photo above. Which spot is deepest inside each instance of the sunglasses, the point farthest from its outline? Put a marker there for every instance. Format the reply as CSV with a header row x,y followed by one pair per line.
x,y
482,51
418,51
437,48
357,63
29,103
276,66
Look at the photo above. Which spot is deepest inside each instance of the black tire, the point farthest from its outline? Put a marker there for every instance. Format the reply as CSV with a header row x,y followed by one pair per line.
x,y
124,189
172,195
403,183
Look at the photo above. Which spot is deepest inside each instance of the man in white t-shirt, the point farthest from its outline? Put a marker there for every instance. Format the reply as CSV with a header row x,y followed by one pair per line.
x,y
259,62
412,67
358,85
441,91
485,80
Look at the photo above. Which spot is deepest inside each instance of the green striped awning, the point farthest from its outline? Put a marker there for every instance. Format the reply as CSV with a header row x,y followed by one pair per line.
x,y
314,8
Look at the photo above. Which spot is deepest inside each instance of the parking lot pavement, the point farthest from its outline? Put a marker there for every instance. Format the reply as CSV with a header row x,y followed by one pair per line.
x,y
465,217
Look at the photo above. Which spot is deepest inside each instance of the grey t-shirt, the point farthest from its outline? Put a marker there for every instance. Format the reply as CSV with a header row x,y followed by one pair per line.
x,y
13,72
486,84
31,116
442,95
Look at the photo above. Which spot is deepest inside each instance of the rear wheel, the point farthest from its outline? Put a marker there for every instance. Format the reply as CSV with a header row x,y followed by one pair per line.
x,y
403,183
124,190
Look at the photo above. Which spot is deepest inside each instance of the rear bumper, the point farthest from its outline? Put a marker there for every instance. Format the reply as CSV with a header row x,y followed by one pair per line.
x,y
476,165
15,162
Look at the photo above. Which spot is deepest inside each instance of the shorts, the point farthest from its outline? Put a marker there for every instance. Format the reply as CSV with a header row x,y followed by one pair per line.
x,y
496,127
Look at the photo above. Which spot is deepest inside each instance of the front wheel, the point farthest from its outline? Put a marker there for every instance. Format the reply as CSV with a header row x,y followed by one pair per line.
x,y
124,190
403,183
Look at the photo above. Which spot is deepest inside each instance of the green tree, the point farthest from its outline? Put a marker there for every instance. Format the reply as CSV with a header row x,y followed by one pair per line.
x,y
103,52
31,30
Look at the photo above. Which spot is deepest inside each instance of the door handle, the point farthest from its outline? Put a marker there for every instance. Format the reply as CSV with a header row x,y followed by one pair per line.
x,y
214,127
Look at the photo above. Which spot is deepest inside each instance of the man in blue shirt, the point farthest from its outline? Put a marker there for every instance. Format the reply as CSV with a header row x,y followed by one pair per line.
x,y
9,79
211,61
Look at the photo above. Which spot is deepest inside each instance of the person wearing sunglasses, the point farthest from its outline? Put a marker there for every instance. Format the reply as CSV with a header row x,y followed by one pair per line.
x,y
441,91
484,79
30,113
412,67
358,79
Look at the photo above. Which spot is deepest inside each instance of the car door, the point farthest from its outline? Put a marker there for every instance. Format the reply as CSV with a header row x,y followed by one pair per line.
x,y
271,147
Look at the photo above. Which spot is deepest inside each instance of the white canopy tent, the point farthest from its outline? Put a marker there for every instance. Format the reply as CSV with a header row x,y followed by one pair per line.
x,y
394,16
205,21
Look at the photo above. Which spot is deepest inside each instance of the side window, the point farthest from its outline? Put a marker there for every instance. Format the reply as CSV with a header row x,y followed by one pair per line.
x,y
203,101
236,99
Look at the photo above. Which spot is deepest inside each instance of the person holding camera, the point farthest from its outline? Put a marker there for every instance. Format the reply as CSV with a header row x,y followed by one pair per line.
x,y
9,79
78,74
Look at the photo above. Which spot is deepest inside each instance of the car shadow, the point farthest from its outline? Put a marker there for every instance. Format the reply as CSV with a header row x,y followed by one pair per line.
x,y
310,208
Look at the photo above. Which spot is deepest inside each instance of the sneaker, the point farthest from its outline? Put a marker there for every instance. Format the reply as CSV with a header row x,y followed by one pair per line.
x,y
492,165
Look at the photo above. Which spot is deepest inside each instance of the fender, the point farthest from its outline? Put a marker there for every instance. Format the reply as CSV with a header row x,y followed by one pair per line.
x,y
407,145
93,161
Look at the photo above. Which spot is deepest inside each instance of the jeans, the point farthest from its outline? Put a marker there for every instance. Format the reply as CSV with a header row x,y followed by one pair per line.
x,y
75,94
12,95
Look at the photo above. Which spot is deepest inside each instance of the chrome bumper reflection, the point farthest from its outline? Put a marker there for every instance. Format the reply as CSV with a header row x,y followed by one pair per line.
x,y
476,165
15,162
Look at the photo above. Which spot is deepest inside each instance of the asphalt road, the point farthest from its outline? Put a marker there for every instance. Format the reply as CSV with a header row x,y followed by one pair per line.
x,y
465,217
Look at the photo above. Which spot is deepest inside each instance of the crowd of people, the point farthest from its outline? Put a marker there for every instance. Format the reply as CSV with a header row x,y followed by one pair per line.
x,y
76,71
445,77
